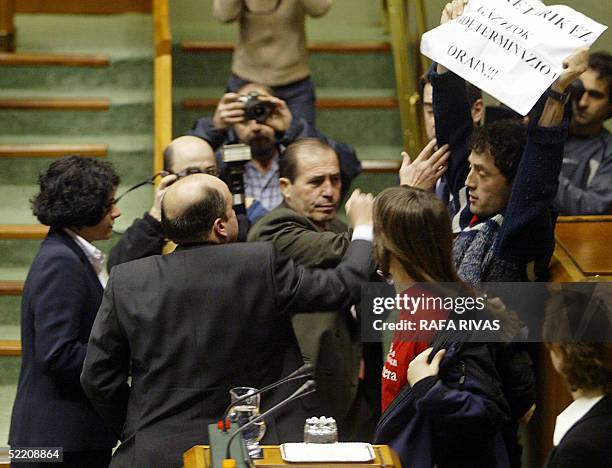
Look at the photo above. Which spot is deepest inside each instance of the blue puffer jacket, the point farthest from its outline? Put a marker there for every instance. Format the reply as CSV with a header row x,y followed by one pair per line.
x,y
454,419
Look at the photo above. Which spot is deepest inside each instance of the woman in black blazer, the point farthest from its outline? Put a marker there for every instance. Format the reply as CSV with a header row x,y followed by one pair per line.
x,y
61,297
583,431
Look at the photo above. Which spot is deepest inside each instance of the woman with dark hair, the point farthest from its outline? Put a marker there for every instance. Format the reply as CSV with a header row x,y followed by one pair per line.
x,y
61,296
583,431
442,395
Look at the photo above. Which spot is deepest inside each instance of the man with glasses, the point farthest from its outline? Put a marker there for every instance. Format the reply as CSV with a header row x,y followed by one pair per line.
x,y
184,155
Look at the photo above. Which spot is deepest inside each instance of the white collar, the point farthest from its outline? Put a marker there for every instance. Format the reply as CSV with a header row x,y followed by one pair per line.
x,y
572,414
93,254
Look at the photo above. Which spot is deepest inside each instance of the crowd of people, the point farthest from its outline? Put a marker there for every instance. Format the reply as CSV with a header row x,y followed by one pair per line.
x,y
202,298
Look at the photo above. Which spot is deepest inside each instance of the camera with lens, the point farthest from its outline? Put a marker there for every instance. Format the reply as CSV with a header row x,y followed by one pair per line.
x,y
255,108
235,157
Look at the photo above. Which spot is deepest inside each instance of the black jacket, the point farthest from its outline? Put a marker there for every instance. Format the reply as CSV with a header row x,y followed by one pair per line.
x,y
192,325
60,300
588,442
454,419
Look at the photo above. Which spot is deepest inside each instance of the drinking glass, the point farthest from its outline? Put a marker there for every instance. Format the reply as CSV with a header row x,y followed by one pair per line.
x,y
243,412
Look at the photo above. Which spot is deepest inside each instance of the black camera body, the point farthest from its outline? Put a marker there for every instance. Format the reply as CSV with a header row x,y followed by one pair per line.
x,y
255,108
236,156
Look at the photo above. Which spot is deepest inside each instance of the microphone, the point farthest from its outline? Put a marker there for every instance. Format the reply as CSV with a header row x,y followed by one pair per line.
x,y
300,373
308,387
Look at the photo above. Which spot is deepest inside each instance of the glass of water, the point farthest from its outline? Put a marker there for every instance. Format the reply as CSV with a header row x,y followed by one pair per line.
x,y
243,412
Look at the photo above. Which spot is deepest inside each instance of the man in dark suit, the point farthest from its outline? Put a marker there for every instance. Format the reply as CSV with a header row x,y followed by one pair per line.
x,y
305,227
210,316
60,300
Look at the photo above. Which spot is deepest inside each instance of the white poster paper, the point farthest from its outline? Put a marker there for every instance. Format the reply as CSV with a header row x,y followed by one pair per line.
x,y
511,49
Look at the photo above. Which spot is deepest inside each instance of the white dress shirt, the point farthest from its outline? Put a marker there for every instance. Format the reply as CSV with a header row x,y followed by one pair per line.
x,y
93,254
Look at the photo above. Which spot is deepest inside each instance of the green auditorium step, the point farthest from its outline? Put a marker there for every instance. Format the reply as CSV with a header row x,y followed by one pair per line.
x,y
16,206
206,98
10,307
330,69
130,110
119,36
130,154
130,72
9,375
10,331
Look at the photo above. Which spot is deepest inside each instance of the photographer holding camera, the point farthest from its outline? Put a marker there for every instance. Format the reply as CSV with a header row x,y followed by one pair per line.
x,y
253,116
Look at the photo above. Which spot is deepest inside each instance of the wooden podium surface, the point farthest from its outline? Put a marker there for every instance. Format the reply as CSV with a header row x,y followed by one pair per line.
x,y
583,250
198,456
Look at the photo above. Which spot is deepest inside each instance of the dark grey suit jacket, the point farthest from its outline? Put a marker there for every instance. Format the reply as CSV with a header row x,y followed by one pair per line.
x,y
330,341
192,325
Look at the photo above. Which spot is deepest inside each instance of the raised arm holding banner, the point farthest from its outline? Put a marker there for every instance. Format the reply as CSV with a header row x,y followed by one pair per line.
x,y
511,49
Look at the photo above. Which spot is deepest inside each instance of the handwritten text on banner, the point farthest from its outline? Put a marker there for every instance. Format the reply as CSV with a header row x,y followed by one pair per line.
x,y
511,49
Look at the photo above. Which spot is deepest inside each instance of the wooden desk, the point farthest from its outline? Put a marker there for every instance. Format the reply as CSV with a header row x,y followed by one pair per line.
x,y
584,249
198,456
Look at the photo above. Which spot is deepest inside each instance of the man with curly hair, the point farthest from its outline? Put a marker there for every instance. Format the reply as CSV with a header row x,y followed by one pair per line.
x,y
60,300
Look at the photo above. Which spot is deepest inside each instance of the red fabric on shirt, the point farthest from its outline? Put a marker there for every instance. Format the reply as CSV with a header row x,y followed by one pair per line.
x,y
406,345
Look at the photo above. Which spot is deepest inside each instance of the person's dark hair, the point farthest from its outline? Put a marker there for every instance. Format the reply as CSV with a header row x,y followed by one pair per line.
x,y
288,164
268,90
505,140
75,191
413,225
195,223
601,62
423,80
585,366
577,326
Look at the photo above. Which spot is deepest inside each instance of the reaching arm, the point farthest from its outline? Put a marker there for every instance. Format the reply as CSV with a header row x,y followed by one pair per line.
x,y
302,289
528,228
142,239
106,367
295,237
454,125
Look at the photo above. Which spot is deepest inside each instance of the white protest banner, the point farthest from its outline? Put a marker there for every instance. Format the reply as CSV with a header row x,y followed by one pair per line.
x,y
511,49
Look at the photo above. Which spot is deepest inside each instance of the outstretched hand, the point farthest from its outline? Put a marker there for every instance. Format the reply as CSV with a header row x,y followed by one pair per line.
x,y
160,190
359,208
573,66
452,10
427,167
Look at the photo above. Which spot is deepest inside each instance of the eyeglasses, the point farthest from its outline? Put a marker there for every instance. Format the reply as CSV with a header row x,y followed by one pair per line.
x,y
179,175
